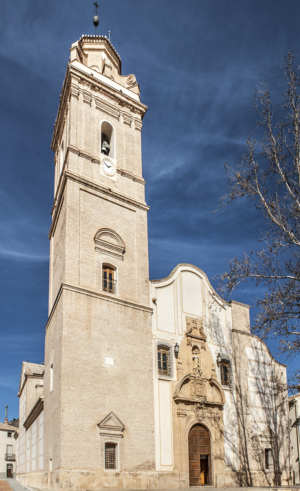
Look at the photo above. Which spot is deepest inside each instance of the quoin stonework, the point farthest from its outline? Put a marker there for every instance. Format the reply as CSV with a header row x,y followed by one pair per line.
x,y
146,384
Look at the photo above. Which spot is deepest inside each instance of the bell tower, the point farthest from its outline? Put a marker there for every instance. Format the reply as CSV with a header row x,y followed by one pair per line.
x,y
98,388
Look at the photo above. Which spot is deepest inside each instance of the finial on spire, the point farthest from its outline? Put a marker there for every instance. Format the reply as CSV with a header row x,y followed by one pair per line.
x,y
96,18
109,35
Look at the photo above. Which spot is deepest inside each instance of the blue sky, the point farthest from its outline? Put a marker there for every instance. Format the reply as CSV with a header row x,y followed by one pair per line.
x,y
197,63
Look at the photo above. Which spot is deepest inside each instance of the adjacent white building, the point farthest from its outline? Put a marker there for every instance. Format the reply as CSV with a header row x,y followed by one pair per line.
x,y
7,449
294,414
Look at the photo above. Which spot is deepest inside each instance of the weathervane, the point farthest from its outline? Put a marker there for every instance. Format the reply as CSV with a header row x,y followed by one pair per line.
x,y
96,18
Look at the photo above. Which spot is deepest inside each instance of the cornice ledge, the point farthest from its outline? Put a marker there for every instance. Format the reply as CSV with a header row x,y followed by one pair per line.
x,y
121,96
97,187
83,154
106,190
26,376
93,293
132,176
189,400
34,413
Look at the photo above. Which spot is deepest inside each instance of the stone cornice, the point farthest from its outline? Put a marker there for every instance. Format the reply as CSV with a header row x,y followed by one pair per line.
x,y
93,39
105,191
92,293
34,413
26,376
96,160
70,89
237,331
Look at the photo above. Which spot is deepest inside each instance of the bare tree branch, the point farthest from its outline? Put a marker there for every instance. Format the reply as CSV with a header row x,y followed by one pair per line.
x,y
269,174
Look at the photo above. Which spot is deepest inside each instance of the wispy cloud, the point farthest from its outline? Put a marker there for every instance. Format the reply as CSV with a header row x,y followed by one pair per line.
x,y
22,256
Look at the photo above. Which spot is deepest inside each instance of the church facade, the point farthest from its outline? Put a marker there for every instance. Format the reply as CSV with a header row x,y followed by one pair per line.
x,y
146,384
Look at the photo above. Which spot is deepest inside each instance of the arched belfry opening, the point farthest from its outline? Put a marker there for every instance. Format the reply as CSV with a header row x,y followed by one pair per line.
x,y
107,140
199,456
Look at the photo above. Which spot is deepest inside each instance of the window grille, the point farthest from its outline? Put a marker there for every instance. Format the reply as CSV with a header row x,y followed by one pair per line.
x,y
164,360
225,378
110,455
108,281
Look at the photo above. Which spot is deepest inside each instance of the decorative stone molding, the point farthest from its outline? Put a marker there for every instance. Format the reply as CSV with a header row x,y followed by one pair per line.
x,y
111,423
111,430
95,294
87,98
138,124
107,108
201,390
34,413
195,332
126,119
110,243
132,176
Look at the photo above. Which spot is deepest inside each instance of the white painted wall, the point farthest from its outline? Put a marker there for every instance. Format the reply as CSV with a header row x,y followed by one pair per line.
x,y
30,449
5,442
186,293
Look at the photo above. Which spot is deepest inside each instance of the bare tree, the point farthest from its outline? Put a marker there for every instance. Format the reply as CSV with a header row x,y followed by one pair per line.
x,y
269,174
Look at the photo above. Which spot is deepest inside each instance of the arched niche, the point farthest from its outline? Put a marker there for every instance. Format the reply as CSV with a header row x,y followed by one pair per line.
x,y
107,145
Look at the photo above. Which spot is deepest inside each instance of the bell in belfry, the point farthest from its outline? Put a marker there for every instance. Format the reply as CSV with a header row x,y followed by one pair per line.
x,y
105,146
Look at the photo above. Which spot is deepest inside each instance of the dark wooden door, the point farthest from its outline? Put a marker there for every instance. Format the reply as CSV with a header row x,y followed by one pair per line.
x,y
199,456
9,472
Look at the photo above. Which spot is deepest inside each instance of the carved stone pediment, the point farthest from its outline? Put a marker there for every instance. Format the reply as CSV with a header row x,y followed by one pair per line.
x,y
195,329
111,423
194,388
110,243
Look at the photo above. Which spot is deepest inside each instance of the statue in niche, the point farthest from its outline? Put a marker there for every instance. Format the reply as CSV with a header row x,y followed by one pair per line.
x,y
105,146
196,360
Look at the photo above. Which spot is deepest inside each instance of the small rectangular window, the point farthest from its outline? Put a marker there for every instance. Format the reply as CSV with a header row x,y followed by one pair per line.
x,y
9,434
108,280
9,450
224,373
268,458
110,455
163,360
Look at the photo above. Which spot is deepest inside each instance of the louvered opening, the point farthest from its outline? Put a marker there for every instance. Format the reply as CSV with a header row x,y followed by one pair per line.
x,y
110,456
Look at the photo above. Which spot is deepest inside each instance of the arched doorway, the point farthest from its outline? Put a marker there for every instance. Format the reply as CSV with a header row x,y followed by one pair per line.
x,y
199,456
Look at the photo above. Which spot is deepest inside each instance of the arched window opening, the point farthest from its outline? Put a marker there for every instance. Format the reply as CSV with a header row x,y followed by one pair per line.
x,y
107,140
109,280
110,455
164,360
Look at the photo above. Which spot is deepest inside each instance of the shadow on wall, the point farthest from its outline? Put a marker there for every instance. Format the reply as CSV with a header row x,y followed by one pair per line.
x,y
260,417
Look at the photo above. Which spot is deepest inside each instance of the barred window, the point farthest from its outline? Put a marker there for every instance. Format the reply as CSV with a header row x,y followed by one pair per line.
x,y
163,360
110,455
224,368
108,279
